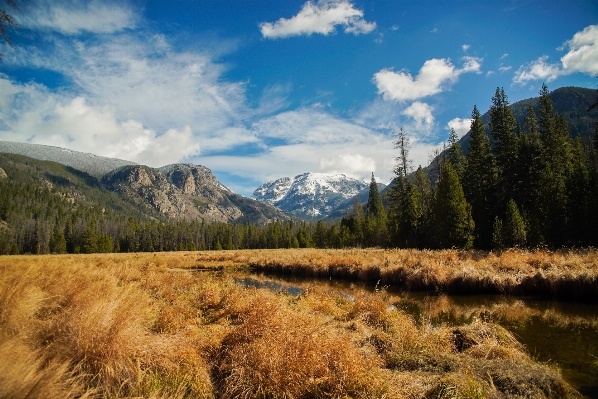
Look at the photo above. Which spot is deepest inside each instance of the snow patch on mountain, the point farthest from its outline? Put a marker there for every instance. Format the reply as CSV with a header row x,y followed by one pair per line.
x,y
309,195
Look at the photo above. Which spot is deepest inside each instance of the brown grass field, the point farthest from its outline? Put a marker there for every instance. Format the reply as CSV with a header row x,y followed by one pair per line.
x,y
571,274
128,325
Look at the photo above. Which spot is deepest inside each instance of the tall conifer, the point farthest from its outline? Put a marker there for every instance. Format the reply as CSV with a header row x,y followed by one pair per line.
x,y
503,125
452,214
480,180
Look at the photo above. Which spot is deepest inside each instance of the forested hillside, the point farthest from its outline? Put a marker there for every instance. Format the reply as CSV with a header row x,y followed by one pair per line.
x,y
531,183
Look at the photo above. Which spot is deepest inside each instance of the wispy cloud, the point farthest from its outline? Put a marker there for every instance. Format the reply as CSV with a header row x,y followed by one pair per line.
x,y
433,77
465,47
322,17
74,17
581,57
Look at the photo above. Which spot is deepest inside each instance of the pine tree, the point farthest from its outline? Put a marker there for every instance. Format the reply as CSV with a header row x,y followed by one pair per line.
x,y
455,155
503,125
497,231
89,240
411,217
452,214
374,208
530,167
514,233
579,190
58,241
480,181
375,226
557,145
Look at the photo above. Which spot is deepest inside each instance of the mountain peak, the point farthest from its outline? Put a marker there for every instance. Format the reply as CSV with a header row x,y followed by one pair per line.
x,y
309,195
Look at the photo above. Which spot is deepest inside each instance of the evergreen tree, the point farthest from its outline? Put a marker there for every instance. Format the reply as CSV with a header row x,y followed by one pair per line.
x,y
89,240
455,155
452,214
513,229
320,235
479,181
503,125
411,217
58,241
554,133
375,226
530,167
497,231
374,208
579,193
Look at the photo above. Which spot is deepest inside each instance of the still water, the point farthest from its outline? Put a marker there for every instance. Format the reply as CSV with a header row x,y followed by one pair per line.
x,y
558,332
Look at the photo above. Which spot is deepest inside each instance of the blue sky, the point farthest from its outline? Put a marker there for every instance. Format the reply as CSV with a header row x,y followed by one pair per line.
x,y
258,90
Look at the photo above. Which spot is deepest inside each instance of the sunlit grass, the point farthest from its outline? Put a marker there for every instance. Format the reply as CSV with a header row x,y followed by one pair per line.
x,y
129,325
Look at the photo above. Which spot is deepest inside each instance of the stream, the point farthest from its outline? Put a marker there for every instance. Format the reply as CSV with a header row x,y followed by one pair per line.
x,y
557,332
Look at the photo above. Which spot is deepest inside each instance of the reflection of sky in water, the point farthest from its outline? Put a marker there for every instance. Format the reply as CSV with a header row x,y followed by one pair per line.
x,y
552,331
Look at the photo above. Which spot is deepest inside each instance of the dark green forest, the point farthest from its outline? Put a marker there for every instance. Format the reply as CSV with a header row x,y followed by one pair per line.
x,y
527,182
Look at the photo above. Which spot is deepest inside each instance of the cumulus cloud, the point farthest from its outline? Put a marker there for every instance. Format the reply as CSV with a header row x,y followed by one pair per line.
x,y
74,17
581,57
583,52
321,17
461,126
433,77
537,70
352,165
465,47
422,114
40,117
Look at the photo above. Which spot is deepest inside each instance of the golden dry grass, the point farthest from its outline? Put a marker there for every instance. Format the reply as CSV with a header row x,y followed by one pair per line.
x,y
565,274
127,325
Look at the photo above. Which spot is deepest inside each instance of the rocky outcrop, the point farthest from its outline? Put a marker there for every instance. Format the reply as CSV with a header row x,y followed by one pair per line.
x,y
187,191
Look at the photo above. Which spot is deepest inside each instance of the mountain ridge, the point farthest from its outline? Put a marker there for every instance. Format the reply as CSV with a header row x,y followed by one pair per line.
x,y
309,195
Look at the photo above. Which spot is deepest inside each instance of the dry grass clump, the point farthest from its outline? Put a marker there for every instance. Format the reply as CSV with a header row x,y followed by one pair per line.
x,y
129,326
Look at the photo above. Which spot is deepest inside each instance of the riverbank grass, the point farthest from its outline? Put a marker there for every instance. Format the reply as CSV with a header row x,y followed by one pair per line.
x,y
127,325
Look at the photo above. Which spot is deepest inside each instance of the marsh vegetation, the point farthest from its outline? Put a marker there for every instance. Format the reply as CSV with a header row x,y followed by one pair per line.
x,y
121,325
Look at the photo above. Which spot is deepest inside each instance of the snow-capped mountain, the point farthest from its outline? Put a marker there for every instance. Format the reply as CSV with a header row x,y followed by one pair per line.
x,y
309,195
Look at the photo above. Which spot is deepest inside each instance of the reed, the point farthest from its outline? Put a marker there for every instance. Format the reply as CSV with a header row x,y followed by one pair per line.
x,y
128,325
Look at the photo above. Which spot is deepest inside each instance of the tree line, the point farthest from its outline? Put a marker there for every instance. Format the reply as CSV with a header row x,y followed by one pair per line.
x,y
527,185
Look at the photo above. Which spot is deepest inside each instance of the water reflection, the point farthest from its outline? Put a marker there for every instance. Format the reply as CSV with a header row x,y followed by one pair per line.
x,y
558,332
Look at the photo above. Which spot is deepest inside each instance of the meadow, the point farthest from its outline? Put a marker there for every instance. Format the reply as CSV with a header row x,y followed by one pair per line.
x,y
144,325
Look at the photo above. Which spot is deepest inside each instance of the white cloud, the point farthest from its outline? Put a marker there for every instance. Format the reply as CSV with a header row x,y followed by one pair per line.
x,y
74,17
435,30
422,114
505,55
352,165
461,126
537,70
581,57
433,77
395,27
583,52
321,17
465,47
40,117
132,97
490,73
504,68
